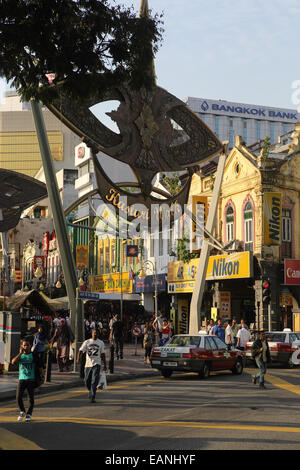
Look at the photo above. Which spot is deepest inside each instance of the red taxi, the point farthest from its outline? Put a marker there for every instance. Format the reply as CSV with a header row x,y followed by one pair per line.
x,y
200,353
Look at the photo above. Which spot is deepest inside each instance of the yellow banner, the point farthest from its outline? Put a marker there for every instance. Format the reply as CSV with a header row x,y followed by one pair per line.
x,y
111,283
82,257
181,276
183,316
272,218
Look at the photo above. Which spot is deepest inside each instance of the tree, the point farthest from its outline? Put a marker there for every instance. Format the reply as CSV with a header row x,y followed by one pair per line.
x,y
172,183
88,44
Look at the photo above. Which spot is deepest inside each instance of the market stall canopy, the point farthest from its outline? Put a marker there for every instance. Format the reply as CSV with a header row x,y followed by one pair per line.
x,y
57,304
34,297
17,192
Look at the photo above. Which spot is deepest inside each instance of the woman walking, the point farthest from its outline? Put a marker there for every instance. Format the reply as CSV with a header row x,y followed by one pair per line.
x,y
63,337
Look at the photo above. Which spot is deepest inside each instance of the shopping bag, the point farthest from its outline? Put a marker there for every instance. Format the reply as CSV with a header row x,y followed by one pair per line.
x,y
102,385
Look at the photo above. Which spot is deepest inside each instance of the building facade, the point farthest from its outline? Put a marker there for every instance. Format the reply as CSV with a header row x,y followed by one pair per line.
x,y
19,149
252,122
251,184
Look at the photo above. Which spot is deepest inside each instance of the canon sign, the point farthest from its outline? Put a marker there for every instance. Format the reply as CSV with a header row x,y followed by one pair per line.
x,y
292,272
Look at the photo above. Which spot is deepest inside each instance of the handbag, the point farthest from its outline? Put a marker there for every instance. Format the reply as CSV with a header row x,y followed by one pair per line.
x,y
102,385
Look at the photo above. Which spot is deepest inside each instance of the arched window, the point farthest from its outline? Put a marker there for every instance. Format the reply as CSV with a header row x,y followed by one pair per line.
x,y
229,224
248,226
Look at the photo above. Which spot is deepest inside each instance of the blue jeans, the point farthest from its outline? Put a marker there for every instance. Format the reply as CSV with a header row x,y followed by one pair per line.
x,y
262,370
91,377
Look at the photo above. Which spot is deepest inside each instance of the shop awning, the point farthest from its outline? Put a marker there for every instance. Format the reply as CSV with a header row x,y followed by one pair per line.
x,y
59,303
34,297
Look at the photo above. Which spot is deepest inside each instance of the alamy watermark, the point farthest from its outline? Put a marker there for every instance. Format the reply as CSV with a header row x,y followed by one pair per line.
x,y
159,222
296,93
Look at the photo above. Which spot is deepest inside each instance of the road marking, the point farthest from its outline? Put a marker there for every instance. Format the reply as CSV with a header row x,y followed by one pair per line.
x,y
12,441
278,382
176,424
63,395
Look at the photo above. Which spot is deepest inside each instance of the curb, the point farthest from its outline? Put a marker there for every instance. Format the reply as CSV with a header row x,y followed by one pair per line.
x,y
44,389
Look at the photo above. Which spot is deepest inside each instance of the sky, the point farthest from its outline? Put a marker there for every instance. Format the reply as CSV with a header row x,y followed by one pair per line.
x,y
237,50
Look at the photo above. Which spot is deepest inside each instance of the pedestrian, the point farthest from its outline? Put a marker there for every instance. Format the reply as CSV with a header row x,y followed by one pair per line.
x,y
165,333
172,329
243,324
148,341
235,328
27,378
158,324
117,336
261,353
229,339
39,342
63,337
210,326
219,330
243,336
95,355
100,327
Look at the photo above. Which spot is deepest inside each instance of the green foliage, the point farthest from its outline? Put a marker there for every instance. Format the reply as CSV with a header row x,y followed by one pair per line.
x,y
173,183
89,44
266,149
183,253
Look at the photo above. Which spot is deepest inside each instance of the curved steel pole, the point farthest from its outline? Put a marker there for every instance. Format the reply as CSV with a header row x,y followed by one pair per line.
x,y
59,221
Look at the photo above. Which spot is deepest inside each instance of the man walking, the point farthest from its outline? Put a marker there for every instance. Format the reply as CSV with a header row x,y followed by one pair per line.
x,y
219,330
95,353
261,353
229,340
235,328
117,335
243,336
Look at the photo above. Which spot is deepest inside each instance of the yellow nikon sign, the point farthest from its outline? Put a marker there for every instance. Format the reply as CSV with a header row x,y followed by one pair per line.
x,y
272,218
181,277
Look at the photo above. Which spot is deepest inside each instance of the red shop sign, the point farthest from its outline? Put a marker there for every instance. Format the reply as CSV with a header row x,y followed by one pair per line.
x,y
292,272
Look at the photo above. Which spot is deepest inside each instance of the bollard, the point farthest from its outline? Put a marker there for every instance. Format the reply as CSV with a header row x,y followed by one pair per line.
x,y
48,366
111,360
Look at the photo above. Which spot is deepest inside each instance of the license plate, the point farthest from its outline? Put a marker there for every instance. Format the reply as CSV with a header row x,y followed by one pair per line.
x,y
155,362
173,364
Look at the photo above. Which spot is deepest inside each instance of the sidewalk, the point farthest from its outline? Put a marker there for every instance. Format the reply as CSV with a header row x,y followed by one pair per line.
x,y
131,367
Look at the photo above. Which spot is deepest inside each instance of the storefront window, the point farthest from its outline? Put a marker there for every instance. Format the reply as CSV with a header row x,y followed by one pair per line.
x,y
248,226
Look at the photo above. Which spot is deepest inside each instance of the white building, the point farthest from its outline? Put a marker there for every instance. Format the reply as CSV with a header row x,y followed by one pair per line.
x,y
253,122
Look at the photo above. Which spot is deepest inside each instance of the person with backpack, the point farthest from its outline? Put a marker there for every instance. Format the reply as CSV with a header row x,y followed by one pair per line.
x,y
219,330
28,378
261,353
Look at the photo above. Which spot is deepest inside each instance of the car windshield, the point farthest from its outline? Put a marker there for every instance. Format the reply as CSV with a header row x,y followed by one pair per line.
x,y
276,337
184,341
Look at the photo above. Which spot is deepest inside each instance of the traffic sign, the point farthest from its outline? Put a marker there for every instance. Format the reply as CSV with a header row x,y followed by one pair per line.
x,y
88,295
136,330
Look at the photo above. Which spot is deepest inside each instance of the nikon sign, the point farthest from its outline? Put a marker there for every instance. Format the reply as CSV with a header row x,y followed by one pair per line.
x,y
272,218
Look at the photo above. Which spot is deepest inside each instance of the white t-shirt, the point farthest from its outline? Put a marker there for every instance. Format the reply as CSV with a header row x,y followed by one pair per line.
x,y
92,325
228,332
100,326
244,336
93,350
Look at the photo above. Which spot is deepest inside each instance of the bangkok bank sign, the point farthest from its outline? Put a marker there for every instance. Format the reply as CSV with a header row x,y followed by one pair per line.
x,y
292,272
248,110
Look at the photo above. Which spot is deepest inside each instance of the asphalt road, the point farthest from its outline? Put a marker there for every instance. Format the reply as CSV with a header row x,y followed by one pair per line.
x,y
223,412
